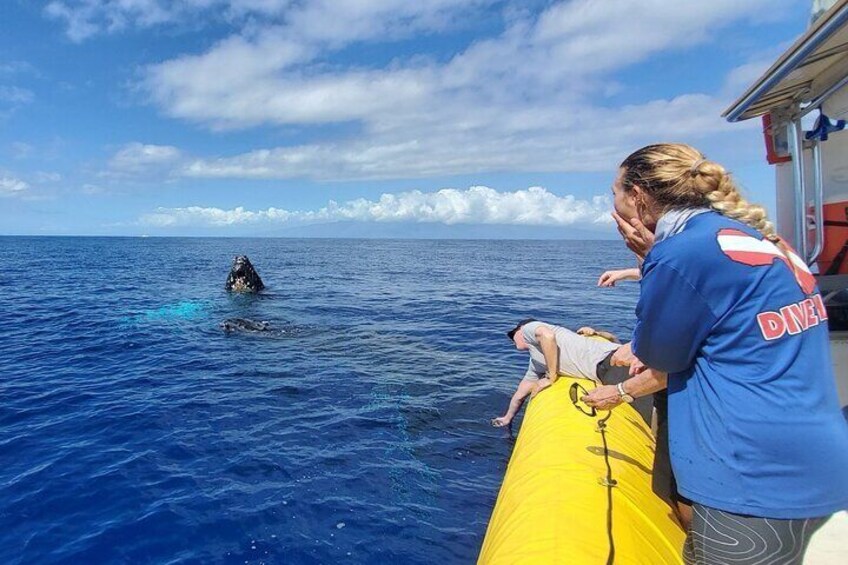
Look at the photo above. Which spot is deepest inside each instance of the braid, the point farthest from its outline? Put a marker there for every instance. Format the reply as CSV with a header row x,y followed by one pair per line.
x,y
716,184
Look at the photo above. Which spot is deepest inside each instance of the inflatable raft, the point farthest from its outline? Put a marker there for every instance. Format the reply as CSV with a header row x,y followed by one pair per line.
x,y
574,495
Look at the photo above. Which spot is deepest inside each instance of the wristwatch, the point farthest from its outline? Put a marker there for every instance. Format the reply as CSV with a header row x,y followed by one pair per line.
x,y
623,395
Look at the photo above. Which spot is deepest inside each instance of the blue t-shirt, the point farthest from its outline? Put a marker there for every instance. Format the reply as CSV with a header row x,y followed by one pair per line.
x,y
754,420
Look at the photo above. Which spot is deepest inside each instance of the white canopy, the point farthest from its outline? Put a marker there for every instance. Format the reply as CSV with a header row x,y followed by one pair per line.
x,y
810,70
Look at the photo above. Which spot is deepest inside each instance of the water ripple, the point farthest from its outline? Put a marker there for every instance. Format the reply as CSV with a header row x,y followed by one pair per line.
x,y
132,429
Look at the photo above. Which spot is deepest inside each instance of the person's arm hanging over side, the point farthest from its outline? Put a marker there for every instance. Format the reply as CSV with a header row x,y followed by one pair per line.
x,y
525,387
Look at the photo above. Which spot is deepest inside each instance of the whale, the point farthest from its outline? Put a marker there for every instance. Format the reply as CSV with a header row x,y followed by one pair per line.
x,y
243,277
242,324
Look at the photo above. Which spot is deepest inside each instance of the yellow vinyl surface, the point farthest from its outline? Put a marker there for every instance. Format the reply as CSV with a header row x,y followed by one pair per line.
x,y
553,508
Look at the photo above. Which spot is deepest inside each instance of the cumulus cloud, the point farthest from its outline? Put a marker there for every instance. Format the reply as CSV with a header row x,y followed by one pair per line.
x,y
553,57
87,18
529,98
11,186
477,205
528,140
137,158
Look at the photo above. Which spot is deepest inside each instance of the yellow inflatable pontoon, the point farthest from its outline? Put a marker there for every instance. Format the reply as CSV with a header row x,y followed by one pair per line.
x,y
574,495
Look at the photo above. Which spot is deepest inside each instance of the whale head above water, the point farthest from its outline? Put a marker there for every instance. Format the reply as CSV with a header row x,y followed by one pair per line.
x,y
243,277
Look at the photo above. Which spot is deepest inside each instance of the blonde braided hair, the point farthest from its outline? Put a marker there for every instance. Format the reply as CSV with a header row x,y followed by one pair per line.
x,y
678,176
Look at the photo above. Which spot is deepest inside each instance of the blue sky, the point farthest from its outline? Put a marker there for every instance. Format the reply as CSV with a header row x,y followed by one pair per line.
x,y
364,117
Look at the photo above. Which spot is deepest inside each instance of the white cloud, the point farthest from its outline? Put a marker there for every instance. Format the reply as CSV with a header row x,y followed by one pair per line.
x,y
478,205
556,57
319,19
46,177
137,158
15,67
92,189
86,18
21,150
12,96
15,95
740,78
528,99
11,186
525,140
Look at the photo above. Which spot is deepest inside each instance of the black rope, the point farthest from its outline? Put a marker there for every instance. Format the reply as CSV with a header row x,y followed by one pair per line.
x,y
574,393
836,264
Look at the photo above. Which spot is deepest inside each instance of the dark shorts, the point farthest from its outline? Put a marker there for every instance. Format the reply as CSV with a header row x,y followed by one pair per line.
x,y
663,481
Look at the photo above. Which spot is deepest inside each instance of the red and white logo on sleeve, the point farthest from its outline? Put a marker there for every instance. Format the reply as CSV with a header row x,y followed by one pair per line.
x,y
749,250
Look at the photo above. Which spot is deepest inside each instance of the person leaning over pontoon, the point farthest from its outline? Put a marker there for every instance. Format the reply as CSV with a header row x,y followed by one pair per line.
x,y
733,316
555,351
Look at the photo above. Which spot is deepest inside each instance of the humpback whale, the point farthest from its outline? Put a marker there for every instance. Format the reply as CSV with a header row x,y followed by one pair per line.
x,y
243,324
243,277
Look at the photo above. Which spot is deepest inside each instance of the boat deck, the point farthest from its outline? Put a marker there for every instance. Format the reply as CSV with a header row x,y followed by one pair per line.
x,y
829,545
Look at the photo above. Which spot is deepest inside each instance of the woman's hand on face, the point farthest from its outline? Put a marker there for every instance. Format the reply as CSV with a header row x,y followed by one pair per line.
x,y
634,233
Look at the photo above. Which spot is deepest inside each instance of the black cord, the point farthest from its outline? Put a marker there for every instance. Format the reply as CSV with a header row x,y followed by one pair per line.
x,y
609,481
602,425
574,393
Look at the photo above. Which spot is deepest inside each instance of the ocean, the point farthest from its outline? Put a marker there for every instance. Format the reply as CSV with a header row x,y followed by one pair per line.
x,y
134,430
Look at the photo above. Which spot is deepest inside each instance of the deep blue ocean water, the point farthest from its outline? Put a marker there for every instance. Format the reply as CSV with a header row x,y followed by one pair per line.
x,y
132,429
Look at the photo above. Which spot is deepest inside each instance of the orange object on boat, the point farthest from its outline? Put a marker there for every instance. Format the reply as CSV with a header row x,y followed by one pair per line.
x,y
834,256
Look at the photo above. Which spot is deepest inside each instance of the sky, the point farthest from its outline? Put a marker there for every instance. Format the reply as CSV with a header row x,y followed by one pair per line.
x,y
365,118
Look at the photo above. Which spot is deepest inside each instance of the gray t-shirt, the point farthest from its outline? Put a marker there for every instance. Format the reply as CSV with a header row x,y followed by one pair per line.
x,y
578,356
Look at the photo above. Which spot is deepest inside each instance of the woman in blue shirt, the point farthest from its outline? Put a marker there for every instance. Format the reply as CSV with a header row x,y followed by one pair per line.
x,y
729,311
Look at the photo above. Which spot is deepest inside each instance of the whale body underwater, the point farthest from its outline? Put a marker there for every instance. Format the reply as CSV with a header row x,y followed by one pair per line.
x,y
245,325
